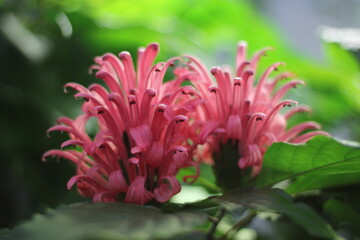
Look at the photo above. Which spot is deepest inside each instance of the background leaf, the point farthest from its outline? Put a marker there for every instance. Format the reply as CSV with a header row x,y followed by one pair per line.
x,y
276,199
342,214
5,234
107,221
320,163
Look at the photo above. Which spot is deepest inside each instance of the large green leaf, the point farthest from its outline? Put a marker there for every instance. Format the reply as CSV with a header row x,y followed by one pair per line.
x,y
276,199
320,163
108,221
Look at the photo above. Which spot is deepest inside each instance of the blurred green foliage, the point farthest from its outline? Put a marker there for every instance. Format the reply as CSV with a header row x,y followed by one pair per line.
x,y
108,221
46,43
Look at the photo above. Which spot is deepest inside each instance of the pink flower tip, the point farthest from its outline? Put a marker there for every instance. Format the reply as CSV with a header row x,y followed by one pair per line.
x,y
215,70
180,119
154,46
151,92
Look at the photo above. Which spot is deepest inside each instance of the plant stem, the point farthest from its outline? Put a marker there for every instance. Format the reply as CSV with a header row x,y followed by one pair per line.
x,y
237,226
215,222
210,185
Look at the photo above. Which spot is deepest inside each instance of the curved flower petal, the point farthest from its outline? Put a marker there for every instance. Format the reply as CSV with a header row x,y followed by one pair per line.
x,y
155,154
168,186
137,192
117,182
142,135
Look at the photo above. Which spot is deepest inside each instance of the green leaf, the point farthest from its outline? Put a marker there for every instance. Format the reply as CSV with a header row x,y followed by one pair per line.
x,y
275,199
4,234
320,163
205,180
196,234
108,221
342,213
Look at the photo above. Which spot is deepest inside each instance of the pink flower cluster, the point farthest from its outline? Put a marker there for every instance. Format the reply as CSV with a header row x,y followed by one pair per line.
x,y
142,140
245,112
148,129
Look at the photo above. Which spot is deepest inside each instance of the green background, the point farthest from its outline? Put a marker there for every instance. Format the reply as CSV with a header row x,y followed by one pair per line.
x,y
45,44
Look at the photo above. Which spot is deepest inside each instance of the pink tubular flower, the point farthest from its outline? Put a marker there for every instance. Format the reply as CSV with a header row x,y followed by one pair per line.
x,y
243,113
143,136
